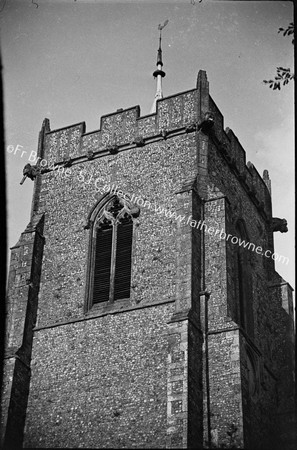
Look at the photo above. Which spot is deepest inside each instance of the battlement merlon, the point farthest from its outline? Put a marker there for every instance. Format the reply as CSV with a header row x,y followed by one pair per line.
x,y
175,114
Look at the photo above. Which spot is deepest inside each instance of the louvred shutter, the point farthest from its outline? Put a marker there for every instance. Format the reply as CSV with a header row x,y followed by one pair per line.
x,y
123,260
102,264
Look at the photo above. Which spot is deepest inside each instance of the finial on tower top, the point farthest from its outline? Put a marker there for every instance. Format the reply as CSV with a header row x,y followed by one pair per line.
x,y
160,27
159,73
159,56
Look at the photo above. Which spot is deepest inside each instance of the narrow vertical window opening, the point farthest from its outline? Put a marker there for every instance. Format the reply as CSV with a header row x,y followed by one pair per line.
x,y
123,260
111,252
102,264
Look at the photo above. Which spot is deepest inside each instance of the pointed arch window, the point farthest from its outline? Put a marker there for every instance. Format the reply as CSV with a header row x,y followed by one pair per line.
x,y
111,252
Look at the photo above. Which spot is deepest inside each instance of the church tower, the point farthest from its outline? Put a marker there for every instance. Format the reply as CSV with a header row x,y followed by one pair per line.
x,y
144,309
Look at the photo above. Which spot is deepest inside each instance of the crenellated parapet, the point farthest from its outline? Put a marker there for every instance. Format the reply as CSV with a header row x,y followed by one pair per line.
x,y
235,156
63,143
186,112
122,128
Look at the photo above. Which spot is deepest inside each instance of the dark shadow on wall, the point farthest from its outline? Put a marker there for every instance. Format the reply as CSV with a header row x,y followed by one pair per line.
x,y
3,234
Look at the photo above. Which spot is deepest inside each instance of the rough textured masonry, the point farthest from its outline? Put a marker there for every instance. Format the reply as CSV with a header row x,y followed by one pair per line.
x,y
201,354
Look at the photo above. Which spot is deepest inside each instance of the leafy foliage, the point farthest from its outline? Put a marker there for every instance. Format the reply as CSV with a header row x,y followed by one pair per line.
x,y
283,75
288,31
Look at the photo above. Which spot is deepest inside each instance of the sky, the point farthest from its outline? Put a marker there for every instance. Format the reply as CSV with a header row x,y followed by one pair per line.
x,y
76,60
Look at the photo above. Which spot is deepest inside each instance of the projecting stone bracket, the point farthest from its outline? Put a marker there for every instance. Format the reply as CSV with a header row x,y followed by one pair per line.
x,y
279,225
113,149
67,162
90,154
164,133
139,141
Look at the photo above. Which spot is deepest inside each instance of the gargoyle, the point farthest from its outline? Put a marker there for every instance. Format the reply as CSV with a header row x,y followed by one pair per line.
x,y
279,225
30,172
207,123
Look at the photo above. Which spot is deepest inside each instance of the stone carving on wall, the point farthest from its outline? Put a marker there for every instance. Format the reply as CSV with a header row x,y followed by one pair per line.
x,y
139,141
116,210
207,123
30,172
279,225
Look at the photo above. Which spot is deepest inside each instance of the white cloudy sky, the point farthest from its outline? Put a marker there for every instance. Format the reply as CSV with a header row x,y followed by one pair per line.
x,y
74,61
